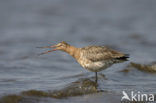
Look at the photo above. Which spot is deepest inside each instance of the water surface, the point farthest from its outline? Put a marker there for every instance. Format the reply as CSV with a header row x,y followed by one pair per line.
x,y
128,26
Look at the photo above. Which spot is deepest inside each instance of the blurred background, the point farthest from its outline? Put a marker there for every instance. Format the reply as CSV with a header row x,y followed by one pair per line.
x,y
125,25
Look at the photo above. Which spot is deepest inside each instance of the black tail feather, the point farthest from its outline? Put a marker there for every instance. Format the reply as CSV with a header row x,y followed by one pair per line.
x,y
124,58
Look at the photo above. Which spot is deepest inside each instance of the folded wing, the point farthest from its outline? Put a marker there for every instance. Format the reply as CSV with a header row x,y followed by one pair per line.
x,y
99,53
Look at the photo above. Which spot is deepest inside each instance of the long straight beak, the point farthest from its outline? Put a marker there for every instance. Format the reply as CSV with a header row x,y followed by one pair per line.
x,y
53,46
54,49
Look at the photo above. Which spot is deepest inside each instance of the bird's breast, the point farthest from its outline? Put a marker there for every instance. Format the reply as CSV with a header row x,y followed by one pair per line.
x,y
94,66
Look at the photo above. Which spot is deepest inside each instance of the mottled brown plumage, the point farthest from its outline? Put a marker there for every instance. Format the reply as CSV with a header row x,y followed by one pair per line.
x,y
98,53
92,58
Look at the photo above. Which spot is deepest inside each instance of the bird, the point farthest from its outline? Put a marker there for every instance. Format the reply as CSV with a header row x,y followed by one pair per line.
x,y
93,58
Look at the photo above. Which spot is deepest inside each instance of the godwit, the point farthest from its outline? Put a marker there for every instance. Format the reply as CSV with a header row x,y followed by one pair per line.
x,y
92,58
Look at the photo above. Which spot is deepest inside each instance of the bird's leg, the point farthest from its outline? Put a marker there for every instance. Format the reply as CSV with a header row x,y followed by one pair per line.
x,y
96,78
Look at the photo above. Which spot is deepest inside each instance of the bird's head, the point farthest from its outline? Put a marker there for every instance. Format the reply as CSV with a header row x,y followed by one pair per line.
x,y
62,46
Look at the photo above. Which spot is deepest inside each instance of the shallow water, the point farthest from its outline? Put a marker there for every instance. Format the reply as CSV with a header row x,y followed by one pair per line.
x,y
128,26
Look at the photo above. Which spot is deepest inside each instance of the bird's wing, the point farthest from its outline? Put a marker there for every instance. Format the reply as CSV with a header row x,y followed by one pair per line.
x,y
98,53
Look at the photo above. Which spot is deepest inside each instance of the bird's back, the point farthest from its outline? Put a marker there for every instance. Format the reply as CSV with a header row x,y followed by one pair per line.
x,y
97,58
99,53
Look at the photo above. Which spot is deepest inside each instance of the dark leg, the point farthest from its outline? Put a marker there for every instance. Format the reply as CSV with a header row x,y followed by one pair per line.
x,y
96,78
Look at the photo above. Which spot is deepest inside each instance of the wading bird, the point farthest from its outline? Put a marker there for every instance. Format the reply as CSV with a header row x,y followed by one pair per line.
x,y
92,58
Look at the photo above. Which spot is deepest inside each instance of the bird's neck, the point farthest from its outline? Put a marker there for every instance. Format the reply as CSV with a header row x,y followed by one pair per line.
x,y
73,51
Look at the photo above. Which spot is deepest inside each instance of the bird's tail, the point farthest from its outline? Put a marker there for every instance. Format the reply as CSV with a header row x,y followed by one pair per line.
x,y
124,58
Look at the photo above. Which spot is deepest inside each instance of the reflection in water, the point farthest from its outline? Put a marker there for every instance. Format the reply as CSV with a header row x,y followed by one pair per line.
x,y
77,88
